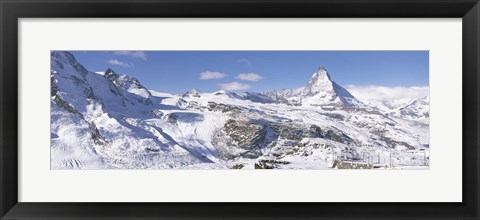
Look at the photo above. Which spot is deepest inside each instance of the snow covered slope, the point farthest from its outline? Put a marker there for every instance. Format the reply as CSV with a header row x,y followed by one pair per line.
x,y
96,123
392,100
109,120
418,110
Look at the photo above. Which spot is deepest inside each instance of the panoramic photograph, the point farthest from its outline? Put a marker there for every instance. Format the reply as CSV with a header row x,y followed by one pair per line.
x,y
197,110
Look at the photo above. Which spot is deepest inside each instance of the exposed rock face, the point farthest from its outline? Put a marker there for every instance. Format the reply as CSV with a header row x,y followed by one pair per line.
x,y
96,136
288,132
126,82
314,132
171,118
157,112
247,138
239,138
130,84
269,164
338,136
391,143
213,106
59,101
64,60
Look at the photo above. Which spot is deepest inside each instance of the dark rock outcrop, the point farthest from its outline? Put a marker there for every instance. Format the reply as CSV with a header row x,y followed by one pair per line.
x,y
240,138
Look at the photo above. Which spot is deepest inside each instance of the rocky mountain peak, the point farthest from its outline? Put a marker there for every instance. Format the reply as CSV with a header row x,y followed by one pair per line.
x,y
321,90
318,83
194,90
109,71
64,56
110,74
65,61
321,74
192,93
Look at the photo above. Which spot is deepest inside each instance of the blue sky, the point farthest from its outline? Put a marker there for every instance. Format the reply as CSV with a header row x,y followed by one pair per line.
x,y
208,71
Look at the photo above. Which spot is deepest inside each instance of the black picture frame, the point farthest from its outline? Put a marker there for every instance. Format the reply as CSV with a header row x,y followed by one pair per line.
x,y
12,10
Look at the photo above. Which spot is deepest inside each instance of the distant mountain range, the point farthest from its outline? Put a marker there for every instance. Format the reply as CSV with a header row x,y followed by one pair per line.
x,y
108,120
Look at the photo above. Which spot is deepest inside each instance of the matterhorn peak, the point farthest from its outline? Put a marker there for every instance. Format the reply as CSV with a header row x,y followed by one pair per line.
x,y
321,90
321,74
319,82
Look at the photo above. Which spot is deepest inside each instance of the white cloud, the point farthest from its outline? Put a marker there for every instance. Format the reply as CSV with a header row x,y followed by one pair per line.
x,y
234,86
245,61
118,63
372,94
212,75
135,54
249,77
